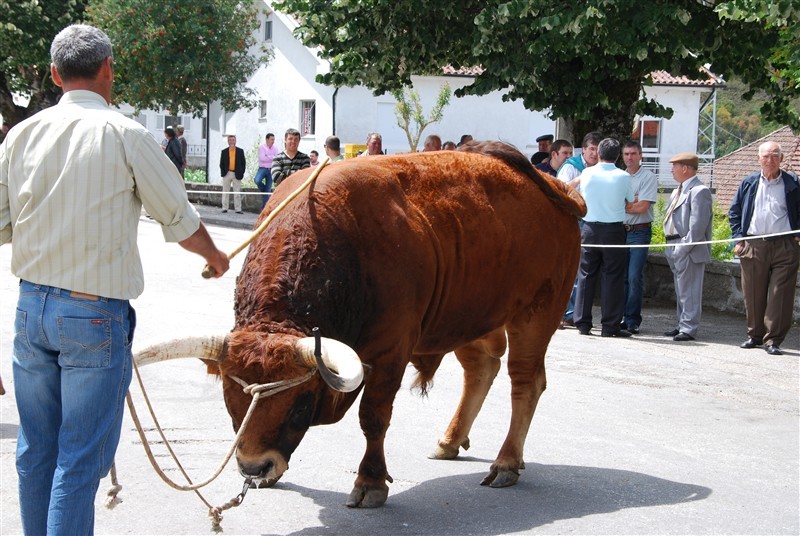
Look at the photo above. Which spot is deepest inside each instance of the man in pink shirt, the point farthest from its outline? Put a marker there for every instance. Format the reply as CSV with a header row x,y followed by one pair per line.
x,y
266,153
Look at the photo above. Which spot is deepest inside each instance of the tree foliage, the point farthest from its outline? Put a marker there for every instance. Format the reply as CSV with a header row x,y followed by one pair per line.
x,y
739,121
410,116
583,61
26,31
181,55
783,65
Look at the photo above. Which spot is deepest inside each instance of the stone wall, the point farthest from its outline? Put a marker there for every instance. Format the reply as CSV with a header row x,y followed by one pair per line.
x,y
250,203
722,288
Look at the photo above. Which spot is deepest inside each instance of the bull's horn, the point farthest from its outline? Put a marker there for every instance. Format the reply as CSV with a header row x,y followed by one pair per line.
x,y
339,365
212,347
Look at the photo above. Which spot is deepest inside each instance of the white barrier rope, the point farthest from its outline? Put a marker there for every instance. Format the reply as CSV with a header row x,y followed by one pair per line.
x,y
674,244
228,192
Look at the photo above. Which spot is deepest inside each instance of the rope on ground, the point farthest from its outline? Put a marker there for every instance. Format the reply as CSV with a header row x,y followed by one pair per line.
x,y
112,498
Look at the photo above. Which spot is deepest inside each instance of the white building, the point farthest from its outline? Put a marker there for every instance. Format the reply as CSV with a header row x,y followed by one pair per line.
x,y
289,97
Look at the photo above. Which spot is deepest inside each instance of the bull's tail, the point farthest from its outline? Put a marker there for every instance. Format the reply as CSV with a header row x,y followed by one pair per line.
x,y
562,195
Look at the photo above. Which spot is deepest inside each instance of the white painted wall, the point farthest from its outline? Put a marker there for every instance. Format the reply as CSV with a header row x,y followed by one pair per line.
x,y
193,126
289,78
283,83
358,112
679,133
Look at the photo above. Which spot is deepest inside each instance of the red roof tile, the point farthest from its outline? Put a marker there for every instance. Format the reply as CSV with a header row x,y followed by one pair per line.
x,y
660,78
663,78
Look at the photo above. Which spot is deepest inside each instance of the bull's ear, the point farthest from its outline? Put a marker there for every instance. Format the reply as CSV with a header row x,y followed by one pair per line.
x,y
212,366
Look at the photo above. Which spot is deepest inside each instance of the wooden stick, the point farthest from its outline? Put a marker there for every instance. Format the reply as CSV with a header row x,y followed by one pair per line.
x,y
209,272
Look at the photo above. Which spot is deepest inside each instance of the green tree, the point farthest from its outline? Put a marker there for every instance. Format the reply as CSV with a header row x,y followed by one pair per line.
x,y
586,62
26,31
739,120
408,110
181,55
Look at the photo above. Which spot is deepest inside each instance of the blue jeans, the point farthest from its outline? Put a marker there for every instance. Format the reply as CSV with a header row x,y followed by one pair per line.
x,y
263,182
72,368
571,305
634,279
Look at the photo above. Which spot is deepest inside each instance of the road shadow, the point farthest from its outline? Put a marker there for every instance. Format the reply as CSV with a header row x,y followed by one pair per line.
x,y
457,505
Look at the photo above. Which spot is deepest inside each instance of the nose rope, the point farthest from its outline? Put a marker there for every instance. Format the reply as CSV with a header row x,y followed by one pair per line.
x,y
256,390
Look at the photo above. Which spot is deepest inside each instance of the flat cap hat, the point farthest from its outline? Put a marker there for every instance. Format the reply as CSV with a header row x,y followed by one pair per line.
x,y
690,159
545,137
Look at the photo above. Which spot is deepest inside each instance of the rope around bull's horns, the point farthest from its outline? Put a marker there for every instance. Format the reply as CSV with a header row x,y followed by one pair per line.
x,y
209,272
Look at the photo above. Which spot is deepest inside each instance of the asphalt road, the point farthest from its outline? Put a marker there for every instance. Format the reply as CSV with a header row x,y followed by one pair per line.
x,y
635,436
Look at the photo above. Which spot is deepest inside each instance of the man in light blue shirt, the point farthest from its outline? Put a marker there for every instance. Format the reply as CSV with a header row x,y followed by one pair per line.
x,y
607,191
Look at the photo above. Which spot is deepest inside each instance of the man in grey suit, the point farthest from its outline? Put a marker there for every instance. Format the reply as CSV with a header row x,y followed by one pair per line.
x,y
687,221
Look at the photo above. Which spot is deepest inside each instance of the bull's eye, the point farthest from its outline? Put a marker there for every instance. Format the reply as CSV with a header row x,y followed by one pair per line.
x,y
300,416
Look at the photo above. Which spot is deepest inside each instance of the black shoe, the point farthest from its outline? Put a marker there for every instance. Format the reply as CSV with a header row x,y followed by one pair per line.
x,y
671,333
224,210
239,212
751,343
623,325
634,330
619,333
773,350
585,331
682,337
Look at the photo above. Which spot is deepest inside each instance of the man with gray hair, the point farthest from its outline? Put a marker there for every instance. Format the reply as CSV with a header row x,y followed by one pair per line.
x,y
73,179
374,144
766,203
433,143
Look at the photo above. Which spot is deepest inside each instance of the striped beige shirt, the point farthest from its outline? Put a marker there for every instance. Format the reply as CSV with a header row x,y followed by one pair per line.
x,y
73,179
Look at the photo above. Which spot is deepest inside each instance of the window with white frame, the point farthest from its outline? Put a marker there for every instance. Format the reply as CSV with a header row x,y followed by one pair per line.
x,y
262,110
307,118
648,132
160,121
185,121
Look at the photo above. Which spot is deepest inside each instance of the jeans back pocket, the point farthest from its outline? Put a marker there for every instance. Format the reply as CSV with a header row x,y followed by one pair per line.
x,y
22,346
85,342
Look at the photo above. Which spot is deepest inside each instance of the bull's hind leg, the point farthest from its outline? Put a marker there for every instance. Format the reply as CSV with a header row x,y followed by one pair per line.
x,y
527,344
481,361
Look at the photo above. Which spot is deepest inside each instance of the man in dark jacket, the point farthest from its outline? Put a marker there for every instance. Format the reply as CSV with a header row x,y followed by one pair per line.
x,y
767,208
231,169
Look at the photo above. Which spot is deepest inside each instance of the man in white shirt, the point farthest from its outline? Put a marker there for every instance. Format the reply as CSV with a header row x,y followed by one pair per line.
x,y
73,179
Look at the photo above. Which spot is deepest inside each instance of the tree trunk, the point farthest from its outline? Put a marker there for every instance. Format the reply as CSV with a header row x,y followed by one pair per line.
x,y
615,121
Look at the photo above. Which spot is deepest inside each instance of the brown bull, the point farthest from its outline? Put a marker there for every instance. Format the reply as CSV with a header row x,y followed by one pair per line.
x,y
403,259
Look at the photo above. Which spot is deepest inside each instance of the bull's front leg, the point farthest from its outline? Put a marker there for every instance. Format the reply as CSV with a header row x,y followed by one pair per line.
x,y
370,489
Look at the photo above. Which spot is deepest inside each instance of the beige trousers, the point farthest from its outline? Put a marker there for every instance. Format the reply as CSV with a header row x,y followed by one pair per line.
x,y
228,180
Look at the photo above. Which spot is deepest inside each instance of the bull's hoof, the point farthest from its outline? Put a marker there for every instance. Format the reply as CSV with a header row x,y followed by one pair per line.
x,y
500,478
361,497
447,452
